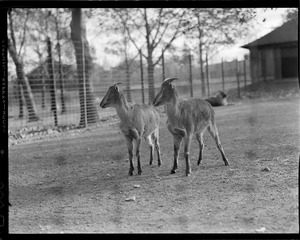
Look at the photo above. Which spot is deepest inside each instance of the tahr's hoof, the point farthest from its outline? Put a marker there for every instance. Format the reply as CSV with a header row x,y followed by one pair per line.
x,y
159,164
226,161
173,171
188,174
150,163
199,162
130,173
139,172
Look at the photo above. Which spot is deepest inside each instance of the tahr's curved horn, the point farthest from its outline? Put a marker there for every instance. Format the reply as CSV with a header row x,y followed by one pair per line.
x,y
116,84
168,80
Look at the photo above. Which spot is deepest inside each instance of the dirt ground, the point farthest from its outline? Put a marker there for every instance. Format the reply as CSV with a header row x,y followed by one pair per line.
x,y
77,182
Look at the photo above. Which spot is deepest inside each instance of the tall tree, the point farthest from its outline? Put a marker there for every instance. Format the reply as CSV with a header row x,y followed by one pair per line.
x,y
57,21
118,46
21,14
112,23
153,29
88,111
38,49
60,64
45,23
37,34
216,27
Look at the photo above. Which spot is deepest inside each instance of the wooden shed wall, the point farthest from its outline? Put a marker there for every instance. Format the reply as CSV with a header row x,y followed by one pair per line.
x,y
273,62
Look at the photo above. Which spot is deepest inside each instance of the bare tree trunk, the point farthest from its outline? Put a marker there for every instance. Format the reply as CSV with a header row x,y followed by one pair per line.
x,y
52,82
207,75
163,66
19,90
128,90
201,58
142,76
237,78
150,68
44,72
127,67
223,77
201,71
245,74
23,81
190,74
61,80
78,36
151,90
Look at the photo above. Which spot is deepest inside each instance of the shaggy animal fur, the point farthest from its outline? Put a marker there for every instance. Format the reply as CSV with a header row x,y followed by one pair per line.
x,y
137,121
185,118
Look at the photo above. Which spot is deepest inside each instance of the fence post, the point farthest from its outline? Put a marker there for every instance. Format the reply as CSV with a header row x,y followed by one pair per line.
x,y
43,89
201,70
207,76
84,82
223,80
19,90
245,74
237,78
52,80
142,75
191,73
163,65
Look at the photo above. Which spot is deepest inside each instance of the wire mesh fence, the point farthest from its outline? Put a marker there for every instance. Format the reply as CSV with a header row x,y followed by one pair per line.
x,y
65,92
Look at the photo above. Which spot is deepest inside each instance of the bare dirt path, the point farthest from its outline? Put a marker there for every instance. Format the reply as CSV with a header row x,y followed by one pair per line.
x,y
79,182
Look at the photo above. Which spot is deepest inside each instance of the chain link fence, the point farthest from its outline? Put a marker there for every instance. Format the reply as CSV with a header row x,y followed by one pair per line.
x,y
57,84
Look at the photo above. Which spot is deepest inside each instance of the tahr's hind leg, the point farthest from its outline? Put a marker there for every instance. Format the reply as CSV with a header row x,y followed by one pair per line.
x,y
155,137
149,141
213,130
177,143
199,137
129,142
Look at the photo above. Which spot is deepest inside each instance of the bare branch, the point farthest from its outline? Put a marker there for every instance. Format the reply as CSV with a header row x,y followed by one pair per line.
x,y
132,60
162,34
176,35
129,35
159,24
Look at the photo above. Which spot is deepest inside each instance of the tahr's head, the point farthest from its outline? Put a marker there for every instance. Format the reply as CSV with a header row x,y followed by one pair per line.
x,y
222,94
166,93
112,97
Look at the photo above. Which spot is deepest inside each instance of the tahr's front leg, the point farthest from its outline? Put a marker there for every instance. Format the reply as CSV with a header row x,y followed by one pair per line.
x,y
129,143
187,147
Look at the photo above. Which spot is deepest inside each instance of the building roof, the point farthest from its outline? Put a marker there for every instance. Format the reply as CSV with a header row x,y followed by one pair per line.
x,y
287,32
